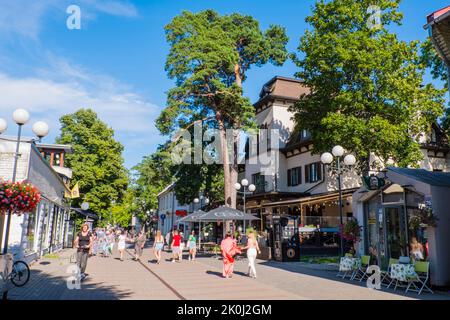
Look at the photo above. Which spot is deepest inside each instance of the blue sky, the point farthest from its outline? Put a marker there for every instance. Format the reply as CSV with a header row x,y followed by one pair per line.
x,y
115,63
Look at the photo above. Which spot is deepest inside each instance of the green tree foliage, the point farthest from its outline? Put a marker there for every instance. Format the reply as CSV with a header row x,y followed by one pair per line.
x,y
152,175
432,60
209,58
367,90
96,160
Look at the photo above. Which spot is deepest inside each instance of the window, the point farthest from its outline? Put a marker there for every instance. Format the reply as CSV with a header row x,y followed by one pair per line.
x,y
57,160
294,176
31,226
313,172
259,181
304,135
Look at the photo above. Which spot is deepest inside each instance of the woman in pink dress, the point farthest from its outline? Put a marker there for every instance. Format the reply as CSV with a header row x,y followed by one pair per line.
x,y
229,250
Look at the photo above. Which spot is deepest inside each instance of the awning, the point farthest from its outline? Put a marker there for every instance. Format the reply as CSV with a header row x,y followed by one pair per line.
x,y
317,198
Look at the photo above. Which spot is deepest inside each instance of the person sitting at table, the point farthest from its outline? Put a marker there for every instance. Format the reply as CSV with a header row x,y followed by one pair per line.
x,y
416,249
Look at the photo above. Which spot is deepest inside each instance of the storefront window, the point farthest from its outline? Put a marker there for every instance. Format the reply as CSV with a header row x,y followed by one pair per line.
x,y
418,240
30,233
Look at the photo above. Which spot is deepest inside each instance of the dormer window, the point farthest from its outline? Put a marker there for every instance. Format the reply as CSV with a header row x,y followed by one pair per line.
x,y
433,136
304,135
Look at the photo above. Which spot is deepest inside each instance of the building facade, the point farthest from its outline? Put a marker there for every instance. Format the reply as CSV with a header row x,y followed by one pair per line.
x,y
170,211
34,234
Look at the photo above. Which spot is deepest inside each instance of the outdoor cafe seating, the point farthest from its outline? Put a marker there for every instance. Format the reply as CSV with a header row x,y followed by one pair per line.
x,y
413,276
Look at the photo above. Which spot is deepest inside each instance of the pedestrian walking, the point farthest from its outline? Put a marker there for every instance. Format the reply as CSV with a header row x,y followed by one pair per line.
x,y
169,237
229,250
121,244
158,246
139,244
252,251
175,245
83,243
182,245
192,245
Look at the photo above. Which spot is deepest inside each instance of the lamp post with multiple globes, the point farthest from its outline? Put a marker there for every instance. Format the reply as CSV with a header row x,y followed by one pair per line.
x,y
247,190
40,129
349,160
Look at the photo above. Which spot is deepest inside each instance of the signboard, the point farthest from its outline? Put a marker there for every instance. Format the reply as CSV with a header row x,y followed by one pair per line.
x,y
163,216
373,182
181,213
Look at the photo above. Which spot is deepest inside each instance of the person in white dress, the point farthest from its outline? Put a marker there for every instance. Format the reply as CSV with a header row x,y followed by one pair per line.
x,y
252,251
121,244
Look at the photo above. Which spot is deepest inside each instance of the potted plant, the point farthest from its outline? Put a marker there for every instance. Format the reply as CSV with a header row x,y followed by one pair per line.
x,y
423,217
351,231
18,197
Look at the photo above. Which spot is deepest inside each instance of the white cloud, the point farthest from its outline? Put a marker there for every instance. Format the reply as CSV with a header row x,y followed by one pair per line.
x,y
65,88
25,17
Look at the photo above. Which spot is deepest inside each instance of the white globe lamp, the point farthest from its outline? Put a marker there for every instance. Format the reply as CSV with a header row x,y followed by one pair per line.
x,y
244,182
326,158
40,129
252,188
237,186
3,125
85,206
338,151
349,160
21,116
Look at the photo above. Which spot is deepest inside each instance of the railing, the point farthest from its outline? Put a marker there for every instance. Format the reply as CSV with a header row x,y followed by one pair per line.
x,y
323,221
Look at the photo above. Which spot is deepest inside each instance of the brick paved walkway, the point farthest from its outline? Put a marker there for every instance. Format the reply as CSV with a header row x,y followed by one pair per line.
x,y
111,279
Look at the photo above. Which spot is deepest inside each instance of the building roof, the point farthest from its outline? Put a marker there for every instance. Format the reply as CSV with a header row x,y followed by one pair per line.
x,y
438,179
54,146
438,26
166,189
282,88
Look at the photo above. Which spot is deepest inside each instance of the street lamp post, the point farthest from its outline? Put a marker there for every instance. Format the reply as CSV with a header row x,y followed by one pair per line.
x,y
40,129
349,160
203,202
244,184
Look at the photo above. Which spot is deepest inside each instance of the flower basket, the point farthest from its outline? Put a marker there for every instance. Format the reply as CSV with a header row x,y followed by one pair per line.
x,y
423,218
351,231
18,197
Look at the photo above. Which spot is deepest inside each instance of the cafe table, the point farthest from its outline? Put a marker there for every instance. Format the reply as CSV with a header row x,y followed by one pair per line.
x,y
402,272
349,264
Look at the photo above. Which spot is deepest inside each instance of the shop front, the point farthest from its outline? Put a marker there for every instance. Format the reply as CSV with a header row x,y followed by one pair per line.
x,y
386,224
407,217
304,226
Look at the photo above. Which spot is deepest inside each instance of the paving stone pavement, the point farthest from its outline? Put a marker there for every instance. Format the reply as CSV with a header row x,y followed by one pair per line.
x,y
111,279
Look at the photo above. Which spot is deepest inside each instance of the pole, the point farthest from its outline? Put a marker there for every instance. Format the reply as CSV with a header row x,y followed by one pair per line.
x,y
244,211
340,204
8,221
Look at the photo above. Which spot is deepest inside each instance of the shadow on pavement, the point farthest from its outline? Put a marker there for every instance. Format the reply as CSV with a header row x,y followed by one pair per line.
x,y
295,267
43,286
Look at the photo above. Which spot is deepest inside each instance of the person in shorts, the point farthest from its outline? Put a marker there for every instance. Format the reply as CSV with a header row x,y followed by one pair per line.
x,y
176,243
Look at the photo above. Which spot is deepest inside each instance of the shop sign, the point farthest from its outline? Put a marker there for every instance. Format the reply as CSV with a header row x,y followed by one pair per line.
x,y
163,216
373,182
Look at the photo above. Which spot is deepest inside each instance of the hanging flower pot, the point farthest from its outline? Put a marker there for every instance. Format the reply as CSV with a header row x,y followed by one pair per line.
x,y
18,197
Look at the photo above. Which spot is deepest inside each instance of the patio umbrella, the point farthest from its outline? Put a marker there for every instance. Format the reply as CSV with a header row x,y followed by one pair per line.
x,y
193,217
226,213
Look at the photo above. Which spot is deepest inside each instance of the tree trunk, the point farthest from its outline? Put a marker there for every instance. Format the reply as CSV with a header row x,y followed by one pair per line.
x,y
225,160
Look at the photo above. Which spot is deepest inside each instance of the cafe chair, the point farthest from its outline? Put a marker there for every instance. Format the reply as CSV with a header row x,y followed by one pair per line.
x,y
361,272
386,274
420,279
